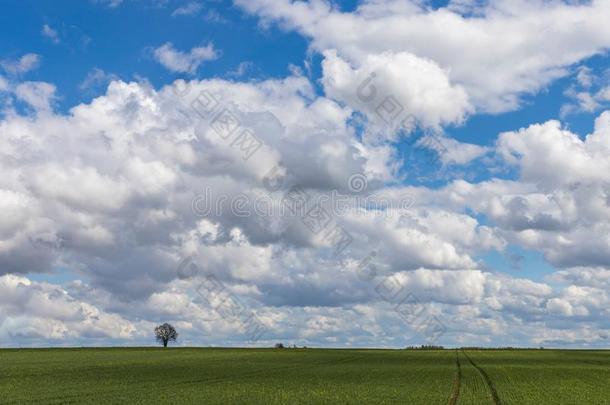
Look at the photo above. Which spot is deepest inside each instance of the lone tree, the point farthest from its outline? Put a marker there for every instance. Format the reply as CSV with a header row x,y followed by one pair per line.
x,y
164,333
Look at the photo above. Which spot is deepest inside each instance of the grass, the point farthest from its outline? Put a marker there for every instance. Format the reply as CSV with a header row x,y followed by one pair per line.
x,y
547,376
303,376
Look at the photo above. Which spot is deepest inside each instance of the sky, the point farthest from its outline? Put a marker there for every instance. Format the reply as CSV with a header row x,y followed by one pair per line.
x,y
372,173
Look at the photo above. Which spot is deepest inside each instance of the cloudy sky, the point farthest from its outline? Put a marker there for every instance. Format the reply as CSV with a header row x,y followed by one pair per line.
x,y
324,173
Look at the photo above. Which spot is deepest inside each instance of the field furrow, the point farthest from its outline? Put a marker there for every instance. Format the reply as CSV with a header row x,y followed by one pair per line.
x,y
304,376
493,394
548,376
455,392
473,389
227,376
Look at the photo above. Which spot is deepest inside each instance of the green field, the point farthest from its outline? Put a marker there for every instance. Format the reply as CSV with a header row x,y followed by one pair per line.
x,y
304,376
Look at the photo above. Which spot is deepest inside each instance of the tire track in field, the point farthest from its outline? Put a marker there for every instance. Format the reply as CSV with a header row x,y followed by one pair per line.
x,y
492,389
457,380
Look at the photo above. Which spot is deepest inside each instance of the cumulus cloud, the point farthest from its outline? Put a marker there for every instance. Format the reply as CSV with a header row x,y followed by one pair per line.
x,y
166,159
392,87
107,190
558,199
467,39
598,277
184,62
113,201
40,312
551,155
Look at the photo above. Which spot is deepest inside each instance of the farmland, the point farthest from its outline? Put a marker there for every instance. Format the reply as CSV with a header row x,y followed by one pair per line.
x,y
304,376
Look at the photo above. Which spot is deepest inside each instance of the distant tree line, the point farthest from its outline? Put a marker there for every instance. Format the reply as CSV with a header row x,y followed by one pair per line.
x,y
500,348
167,333
281,346
432,347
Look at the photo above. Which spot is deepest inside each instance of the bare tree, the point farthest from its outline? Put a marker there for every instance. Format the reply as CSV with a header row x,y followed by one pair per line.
x,y
164,333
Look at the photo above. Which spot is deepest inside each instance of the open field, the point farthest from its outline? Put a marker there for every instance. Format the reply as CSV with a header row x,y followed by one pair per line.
x,y
304,376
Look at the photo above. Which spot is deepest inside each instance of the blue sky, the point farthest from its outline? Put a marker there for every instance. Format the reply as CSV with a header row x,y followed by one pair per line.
x,y
119,40
100,169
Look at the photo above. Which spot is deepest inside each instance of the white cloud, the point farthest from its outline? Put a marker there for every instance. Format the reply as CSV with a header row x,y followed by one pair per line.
x,y
109,3
42,312
214,16
604,93
588,94
391,87
497,56
241,69
188,9
96,77
184,62
107,191
453,287
50,33
4,85
584,76
39,95
589,277
22,65
162,159
451,151
558,200
550,155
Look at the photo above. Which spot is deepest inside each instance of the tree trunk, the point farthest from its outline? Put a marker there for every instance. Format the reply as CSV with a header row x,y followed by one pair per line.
x,y
165,343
